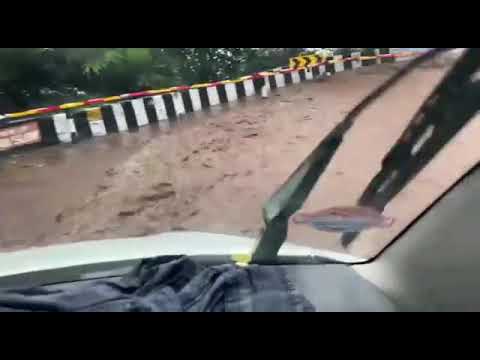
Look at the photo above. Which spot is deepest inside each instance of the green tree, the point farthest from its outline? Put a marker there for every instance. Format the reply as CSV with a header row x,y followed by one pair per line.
x,y
31,77
24,72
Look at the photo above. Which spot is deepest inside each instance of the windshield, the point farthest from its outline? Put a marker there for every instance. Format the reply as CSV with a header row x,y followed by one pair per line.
x,y
115,143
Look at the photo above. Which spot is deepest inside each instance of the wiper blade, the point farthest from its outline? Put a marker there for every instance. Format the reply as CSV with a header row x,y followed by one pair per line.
x,y
290,197
443,114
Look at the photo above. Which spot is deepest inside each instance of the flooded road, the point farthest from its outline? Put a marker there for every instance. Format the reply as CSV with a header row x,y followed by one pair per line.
x,y
214,171
36,185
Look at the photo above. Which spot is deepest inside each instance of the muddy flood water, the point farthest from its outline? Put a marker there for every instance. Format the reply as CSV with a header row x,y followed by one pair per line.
x,y
214,171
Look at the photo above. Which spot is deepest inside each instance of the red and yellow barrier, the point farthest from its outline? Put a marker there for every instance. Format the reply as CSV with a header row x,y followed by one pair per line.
x,y
309,61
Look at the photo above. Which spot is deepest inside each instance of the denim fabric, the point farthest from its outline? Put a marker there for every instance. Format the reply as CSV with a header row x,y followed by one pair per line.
x,y
179,285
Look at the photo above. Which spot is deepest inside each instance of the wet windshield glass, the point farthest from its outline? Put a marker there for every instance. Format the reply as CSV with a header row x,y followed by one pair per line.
x,y
115,143
345,207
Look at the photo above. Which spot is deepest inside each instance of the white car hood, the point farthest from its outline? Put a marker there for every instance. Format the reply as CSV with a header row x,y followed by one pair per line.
x,y
172,243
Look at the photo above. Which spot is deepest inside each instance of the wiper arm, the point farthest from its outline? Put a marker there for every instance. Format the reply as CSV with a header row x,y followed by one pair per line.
x,y
290,197
445,112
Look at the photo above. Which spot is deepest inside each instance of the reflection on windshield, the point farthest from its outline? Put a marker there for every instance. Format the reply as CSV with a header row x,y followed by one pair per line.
x,y
344,219
412,151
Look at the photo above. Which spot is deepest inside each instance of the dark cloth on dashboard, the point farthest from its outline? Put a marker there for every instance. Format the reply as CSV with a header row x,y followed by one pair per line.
x,y
179,285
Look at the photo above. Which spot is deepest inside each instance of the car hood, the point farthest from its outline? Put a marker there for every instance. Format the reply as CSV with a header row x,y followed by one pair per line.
x,y
172,243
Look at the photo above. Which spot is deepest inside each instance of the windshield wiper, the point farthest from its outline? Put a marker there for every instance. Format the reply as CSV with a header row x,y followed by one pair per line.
x,y
290,197
443,114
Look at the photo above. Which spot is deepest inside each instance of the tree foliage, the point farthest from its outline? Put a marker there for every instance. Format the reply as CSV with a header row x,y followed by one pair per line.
x,y
31,77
